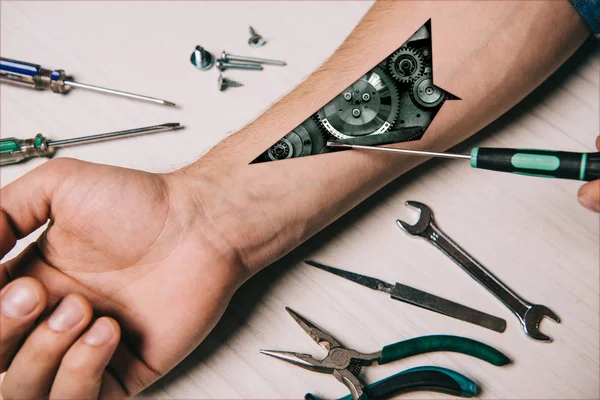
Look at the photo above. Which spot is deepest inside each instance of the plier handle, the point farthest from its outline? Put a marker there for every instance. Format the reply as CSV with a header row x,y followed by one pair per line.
x,y
435,379
346,364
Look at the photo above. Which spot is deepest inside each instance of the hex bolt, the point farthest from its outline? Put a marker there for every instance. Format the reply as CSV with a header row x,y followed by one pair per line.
x,y
232,57
356,113
223,65
223,83
348,96
366,96
202,59
255,39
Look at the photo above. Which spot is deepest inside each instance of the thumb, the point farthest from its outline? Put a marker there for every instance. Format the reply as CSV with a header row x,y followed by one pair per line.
x,y
589,195
25,204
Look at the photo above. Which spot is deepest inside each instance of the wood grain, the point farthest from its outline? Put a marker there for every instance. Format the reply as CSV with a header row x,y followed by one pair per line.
x,y
530,232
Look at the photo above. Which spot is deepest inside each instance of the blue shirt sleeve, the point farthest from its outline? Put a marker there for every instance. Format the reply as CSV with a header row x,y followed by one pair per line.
x,y
590,11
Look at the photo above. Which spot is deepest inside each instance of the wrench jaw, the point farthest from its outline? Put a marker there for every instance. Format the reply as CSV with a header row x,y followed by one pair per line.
x,y
532,319
424,221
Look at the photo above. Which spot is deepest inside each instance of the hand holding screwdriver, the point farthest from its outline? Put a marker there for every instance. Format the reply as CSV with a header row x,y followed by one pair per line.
x,y
589,194
532,162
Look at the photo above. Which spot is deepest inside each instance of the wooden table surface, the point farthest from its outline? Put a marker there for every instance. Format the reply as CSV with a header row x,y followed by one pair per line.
x,y
530,232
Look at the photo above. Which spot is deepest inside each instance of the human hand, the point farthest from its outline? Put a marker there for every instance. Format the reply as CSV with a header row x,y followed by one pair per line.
x,y
122,243
50,357
589,194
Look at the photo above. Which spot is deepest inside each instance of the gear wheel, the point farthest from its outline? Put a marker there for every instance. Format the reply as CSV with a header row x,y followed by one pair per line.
x,y
426,94
406,65
369,106
324,132
304,140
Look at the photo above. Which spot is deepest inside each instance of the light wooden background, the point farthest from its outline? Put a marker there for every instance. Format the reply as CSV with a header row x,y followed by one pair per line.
x,y
530,232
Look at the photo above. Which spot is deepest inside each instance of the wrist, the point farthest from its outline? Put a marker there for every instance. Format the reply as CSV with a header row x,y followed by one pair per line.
x,y
195,201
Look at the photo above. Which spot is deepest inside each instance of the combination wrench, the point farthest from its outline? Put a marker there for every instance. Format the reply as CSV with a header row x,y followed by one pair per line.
x,y
530,315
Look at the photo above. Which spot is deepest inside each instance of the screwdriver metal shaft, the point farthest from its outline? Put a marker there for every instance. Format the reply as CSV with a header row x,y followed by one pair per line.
x,y
111,135
405,151
13,151
118,93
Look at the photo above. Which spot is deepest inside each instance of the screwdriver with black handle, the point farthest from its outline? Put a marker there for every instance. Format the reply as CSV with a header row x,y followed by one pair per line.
x,y
13,150
532,162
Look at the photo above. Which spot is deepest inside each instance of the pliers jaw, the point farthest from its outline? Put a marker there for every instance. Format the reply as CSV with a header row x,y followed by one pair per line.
x,y
320,336
344,364
300,359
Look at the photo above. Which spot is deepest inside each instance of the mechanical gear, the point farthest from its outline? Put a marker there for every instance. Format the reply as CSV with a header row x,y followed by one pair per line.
x,y
426,94
305,139
406,65
353,114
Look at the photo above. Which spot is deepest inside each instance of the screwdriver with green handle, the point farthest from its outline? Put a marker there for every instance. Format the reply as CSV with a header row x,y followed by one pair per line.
x,y
532,162
13,150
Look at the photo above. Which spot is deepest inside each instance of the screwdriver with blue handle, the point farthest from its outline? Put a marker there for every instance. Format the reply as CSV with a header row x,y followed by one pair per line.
x,y
532,162
34,76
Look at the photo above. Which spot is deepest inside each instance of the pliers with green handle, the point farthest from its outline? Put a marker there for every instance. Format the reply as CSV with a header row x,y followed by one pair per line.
x,y
346,364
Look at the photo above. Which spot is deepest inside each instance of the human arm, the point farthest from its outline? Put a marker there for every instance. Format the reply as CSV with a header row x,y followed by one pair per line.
x,y
489,54
163,253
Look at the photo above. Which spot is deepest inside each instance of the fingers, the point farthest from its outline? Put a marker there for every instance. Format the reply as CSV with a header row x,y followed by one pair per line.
x,y
589,195
21,303
26,201
82,368
35,365
7,235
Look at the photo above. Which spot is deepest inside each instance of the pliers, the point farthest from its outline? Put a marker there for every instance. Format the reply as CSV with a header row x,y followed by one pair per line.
x,y
346,364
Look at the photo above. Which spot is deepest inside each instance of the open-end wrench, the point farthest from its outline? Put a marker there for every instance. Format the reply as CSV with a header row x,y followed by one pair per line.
x,y
530,315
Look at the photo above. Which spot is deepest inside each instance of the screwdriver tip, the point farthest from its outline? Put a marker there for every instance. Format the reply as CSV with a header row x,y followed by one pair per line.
x,y
173,125
168,103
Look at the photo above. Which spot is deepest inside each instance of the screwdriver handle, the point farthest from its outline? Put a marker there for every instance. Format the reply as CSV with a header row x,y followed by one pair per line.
x,y
541,163
32,75
13,150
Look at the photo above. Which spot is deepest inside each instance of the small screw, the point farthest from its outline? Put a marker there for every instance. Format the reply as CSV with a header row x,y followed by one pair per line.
x,y
232,57
223,65
356,113
348,96
223,83
255,39
202,59
366,96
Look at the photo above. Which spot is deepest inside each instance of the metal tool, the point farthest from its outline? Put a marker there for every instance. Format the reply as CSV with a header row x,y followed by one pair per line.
x,y
345,364
202,58
223,65
255,39
434,379
420,298
223,83
532,162
36,77
232,57
530,315
13,151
